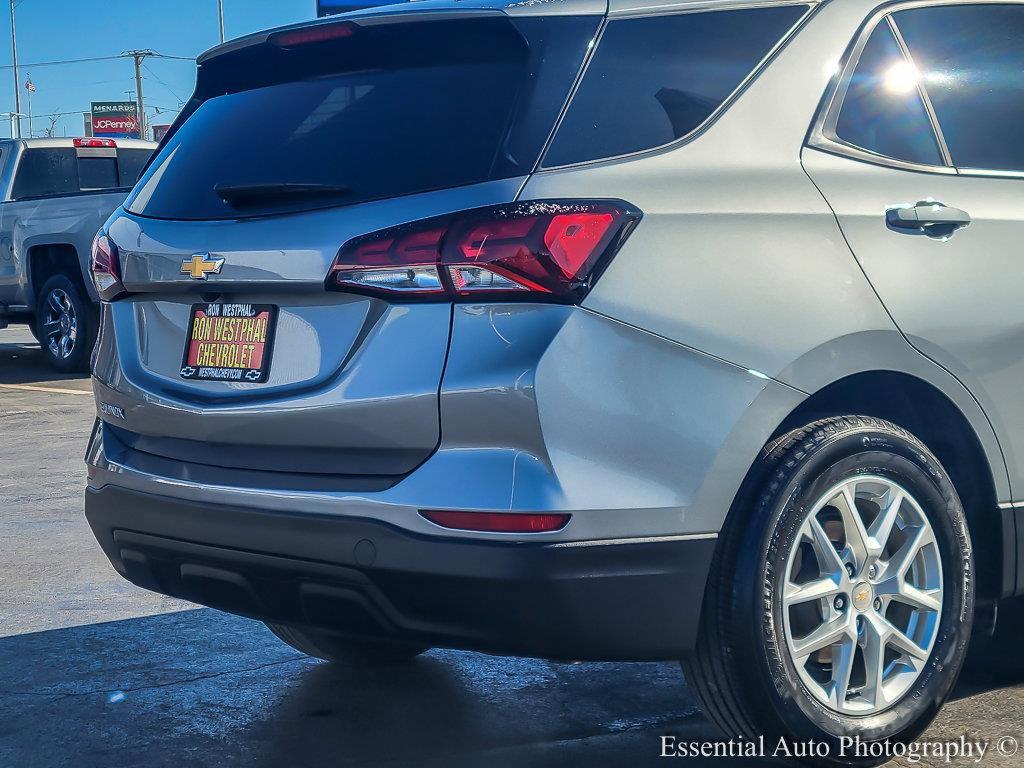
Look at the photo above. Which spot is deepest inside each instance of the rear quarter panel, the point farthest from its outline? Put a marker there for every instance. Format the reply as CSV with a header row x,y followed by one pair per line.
x,y
739,255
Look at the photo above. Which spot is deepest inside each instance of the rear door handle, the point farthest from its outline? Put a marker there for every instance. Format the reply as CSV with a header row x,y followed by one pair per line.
x,y
930,217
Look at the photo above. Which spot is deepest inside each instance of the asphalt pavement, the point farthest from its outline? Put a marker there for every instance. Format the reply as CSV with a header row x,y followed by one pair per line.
x,y
96,672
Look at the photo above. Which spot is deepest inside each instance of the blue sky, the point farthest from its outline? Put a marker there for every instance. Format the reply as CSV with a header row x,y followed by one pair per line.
x,y
50,30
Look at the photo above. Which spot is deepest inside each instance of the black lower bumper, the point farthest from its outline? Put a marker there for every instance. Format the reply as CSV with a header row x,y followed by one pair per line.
x,y
635,599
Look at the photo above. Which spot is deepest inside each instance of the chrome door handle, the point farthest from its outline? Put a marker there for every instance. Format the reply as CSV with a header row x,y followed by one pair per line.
x,y
929,217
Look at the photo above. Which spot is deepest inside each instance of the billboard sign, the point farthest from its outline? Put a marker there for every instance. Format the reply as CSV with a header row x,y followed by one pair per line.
x,y
115,119
330,7
159,131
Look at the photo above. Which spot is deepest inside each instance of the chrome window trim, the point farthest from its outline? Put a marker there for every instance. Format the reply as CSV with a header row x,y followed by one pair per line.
x,y
822,134
811,5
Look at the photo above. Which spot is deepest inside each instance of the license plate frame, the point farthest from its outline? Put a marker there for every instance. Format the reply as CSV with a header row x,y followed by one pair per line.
x,y
224,315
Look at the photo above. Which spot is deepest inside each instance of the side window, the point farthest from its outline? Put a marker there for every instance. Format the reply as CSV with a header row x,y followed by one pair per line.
x,y
656,79
971,59
882,110
45,172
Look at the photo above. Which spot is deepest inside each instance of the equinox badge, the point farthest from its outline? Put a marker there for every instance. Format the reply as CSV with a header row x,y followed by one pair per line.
x,y
201,265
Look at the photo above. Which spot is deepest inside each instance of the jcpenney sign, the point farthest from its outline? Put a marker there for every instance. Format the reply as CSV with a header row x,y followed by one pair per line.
x,y
115,118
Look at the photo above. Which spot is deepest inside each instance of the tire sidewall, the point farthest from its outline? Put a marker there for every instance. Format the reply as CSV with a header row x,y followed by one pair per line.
x,y
889,454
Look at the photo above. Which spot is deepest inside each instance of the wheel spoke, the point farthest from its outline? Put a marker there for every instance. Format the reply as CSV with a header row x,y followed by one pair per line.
x,y
828,633
922,599
843,655
795,594
828,558
905,645
874,666
898,564
54,301
853,523
881,526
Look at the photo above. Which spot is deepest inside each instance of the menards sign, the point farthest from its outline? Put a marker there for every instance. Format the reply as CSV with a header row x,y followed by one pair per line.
x,y
115,118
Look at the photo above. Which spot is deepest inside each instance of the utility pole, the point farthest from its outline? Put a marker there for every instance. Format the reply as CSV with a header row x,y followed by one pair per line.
x,y
140,106
220,9
16,117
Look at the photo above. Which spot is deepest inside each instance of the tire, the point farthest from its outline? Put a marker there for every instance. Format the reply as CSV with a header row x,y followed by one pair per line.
x,y
66,344
746,669
345,650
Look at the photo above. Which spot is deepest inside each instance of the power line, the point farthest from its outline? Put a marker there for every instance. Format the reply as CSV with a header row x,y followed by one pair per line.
x,y
161,81
95,58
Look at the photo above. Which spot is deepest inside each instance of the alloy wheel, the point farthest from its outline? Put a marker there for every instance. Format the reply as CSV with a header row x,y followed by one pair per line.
x,y
59,328
862,595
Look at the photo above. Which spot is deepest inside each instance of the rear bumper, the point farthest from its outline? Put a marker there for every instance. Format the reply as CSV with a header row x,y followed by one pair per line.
x,y
636,599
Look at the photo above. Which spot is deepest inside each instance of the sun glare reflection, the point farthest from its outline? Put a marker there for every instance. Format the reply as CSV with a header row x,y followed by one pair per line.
x,y
901,78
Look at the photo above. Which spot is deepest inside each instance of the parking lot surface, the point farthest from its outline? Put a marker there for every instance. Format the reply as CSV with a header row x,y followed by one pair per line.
x,y
96,672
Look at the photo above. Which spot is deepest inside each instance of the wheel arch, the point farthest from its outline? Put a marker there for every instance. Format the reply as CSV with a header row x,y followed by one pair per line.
x,y
48,259
933,416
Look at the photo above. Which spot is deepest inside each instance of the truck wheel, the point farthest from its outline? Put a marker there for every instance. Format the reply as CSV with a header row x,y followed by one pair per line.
x,y
841,598
345,650
65,324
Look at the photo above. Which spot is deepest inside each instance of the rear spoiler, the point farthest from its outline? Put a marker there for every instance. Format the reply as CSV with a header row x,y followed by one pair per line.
x,y
342,20
419,10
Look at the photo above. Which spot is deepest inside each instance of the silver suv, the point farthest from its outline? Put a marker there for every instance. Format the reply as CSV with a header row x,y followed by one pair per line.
x,y
588,331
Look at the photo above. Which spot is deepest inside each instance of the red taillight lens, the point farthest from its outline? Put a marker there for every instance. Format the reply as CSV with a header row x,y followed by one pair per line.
x,y
105,265
548,250
498,522
317,34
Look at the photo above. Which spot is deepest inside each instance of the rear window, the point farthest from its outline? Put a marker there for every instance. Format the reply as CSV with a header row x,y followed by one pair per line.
x,y
97,173
130,163
61,171
656,79
391,110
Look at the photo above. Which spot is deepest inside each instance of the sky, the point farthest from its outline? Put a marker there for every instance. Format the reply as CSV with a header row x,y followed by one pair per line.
x,y
58,30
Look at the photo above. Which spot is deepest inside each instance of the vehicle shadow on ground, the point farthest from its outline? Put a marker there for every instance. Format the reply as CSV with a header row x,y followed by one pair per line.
x,y
22,360
204,688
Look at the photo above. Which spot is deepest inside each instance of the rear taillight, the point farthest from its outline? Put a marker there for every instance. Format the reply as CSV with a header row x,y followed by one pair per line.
x,y
541,250
498,522
105,265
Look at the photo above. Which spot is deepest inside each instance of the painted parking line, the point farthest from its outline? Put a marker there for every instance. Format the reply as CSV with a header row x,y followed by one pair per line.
x,y
55,390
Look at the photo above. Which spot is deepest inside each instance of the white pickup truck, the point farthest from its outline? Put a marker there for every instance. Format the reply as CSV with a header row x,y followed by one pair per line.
x,y
54,196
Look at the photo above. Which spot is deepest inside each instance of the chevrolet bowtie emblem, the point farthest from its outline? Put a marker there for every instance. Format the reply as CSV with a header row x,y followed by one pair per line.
x,y
201,265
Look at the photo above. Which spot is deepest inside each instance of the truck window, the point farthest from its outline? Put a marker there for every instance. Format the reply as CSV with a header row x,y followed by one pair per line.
x,y
60,171
97,173
46,172
130,163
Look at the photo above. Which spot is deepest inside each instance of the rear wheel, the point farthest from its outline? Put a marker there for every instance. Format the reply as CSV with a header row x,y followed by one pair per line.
x,y
65,325
344,650
841,598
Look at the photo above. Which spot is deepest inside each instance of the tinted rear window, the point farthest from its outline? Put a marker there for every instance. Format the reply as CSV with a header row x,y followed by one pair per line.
x,y
130,163
60,171
97,173
46,172
391,110
656,79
